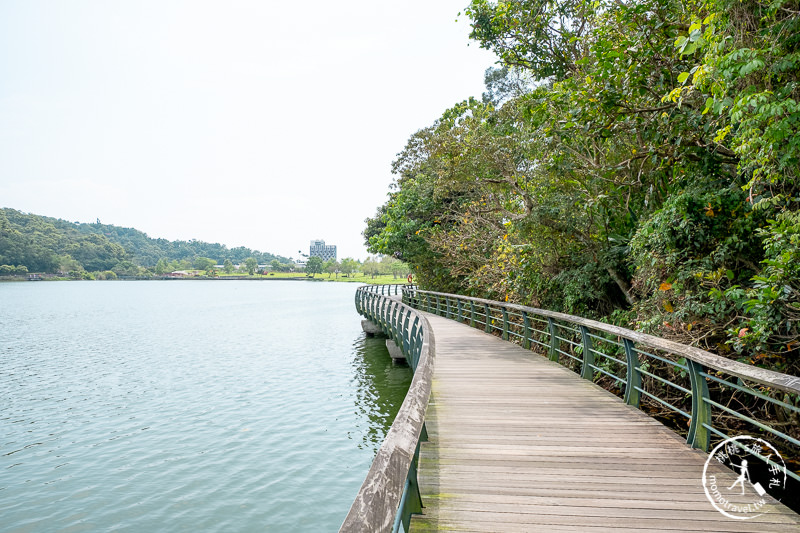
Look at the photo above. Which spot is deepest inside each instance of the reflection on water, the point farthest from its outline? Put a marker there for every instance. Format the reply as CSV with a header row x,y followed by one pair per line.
x,y
187,406
380,385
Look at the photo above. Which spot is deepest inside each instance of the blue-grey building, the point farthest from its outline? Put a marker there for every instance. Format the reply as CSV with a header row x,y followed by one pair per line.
x,y
319,249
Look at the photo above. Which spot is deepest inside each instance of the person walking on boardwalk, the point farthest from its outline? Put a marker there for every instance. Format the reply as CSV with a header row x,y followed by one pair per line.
x,y
742,476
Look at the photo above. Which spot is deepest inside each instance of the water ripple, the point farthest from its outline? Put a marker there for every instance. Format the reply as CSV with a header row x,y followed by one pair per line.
x,y
155,406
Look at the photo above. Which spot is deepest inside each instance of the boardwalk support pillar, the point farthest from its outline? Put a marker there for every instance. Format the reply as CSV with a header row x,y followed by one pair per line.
x,y
370,328
395,351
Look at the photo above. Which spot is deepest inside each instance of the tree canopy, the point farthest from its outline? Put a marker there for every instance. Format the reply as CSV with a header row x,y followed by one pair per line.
x,y
631,161
44,244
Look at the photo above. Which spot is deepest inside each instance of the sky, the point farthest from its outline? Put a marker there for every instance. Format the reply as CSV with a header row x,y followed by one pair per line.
x,y
263,124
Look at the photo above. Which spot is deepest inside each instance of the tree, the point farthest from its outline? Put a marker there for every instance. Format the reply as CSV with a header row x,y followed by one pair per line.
x,y
39,242
204,263
227,266
349,265
331,266
633,161
66,264
162,267
542,36
504,83
126,268
314,266
370,267
398,268
183,264
251,264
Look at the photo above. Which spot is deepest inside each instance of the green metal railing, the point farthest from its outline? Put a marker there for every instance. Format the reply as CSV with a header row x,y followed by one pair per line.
x,y
390,494
392,289
670,380
710,392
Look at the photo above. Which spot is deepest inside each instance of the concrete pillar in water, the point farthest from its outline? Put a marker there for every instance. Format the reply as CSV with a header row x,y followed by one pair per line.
x,y
370,328
395,351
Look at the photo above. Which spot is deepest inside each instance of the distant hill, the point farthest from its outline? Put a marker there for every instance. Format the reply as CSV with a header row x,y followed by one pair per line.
x,y
43,244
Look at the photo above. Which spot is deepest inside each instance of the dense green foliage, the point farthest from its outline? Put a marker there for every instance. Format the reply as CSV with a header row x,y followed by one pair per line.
x,y
43,244
633,161
314,266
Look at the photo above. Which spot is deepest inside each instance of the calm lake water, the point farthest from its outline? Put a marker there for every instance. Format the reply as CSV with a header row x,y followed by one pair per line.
x,y
187,405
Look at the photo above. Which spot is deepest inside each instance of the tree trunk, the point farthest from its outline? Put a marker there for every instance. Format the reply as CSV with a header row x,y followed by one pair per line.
x,y
622,284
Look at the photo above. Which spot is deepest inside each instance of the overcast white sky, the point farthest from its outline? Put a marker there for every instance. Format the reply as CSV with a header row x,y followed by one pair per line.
x,y
252,123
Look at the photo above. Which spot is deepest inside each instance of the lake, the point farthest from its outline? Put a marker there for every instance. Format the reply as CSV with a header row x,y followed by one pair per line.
x,y
187,405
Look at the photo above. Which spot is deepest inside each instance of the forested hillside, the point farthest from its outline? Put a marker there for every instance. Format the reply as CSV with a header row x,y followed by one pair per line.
x,y
44,244
636,162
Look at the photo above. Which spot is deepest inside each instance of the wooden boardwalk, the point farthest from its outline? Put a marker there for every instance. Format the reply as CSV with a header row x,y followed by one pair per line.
x,y
519,443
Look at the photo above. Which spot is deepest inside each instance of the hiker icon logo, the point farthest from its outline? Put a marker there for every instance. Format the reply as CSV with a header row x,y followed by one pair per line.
x,y
759,469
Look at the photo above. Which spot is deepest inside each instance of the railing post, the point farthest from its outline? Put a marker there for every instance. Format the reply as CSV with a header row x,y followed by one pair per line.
x,y
395,318
471,314
699,436
418,341
438,305
488,319
388,313
411,503
505,323
588,356
413,345
459,307
526,331
555,343
406,343
633,378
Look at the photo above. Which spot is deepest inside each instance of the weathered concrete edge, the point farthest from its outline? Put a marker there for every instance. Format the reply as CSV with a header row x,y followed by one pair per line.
x,y
377,502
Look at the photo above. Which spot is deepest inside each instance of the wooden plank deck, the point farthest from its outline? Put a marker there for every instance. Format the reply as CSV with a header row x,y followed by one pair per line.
x,y
519,443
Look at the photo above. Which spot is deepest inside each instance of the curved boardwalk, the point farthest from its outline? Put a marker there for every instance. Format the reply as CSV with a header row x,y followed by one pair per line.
x,y
519,443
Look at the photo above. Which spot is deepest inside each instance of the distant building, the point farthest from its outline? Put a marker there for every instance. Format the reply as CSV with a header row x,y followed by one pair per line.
x,y
319,249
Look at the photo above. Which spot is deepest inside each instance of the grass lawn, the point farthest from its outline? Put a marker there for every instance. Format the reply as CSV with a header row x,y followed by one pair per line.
x,y
387,279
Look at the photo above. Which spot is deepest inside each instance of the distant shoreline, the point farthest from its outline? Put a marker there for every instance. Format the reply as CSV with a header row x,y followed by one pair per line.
x,y
379,280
